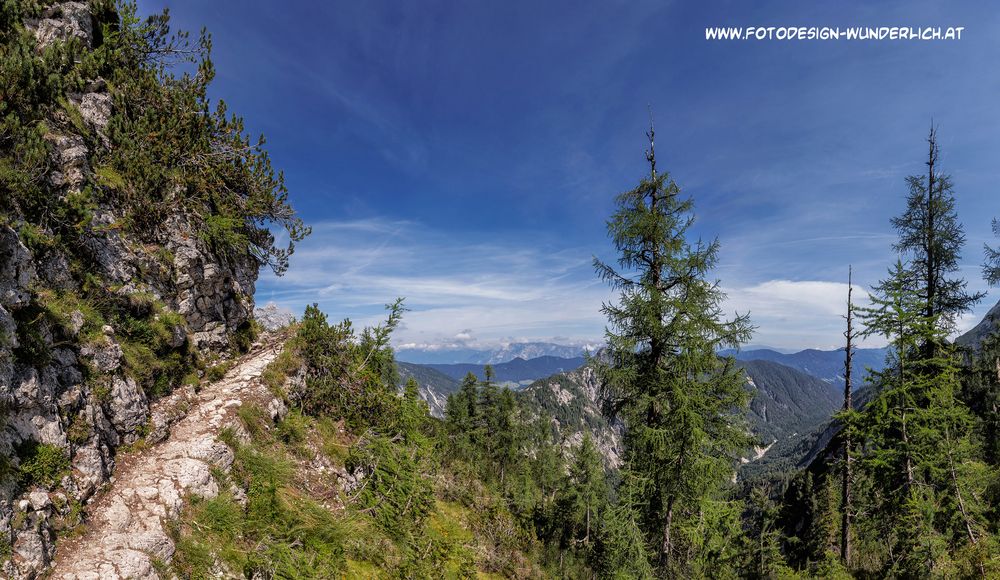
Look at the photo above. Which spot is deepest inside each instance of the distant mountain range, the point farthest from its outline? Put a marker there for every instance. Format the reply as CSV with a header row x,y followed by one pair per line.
x,y
827,365
437,381
516,370
524,350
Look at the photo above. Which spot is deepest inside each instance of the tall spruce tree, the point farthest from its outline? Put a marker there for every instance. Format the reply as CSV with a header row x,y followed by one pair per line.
x,y
584,493
462,414
682,405
932,237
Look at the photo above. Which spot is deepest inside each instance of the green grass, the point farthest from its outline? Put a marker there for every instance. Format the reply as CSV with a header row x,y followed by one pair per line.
x,y
217,372
282,367
280,533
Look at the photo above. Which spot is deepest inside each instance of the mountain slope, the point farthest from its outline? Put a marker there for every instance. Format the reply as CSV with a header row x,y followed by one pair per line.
x,y
126,531
987,326
788,412
516,370
434,385
786,403
573,401
135,217
827,365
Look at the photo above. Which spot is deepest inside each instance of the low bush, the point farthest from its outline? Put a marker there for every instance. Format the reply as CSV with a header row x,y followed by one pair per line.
x,y
41,464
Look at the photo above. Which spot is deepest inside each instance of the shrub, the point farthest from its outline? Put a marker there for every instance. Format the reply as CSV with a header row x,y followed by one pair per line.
x,y
41,464
79,430
394,488
283,366
32,348
254,419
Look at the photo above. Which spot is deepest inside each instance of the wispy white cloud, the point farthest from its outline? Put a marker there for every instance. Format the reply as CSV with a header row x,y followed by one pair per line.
x,y
459,292
797,314
469,292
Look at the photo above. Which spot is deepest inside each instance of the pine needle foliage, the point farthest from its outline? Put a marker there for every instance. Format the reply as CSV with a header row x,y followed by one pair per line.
x,y
681,404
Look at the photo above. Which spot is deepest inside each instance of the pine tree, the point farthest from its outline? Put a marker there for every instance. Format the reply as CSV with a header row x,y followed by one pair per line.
x,y
763,558
622,549
414,412
462,417
681,404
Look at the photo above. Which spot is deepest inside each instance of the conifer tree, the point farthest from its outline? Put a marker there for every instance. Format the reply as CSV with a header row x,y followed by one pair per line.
x,y
847,418
991,266
917,436
584,492
462,416
982,394
931,235
622,550
762,548
681,404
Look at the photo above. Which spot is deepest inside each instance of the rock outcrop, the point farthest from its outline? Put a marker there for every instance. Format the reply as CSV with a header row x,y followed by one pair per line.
x,y
70,401
128,532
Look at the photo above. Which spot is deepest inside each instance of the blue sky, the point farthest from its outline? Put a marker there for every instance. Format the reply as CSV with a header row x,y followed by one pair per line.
x,y
465,154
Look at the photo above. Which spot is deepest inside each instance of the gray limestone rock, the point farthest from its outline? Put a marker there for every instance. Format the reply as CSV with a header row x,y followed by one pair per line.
x,y
62,22
17,269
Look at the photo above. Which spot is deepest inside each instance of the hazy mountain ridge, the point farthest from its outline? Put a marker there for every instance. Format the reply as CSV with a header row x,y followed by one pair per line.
x,y
438,381
516,370
827,365
473,356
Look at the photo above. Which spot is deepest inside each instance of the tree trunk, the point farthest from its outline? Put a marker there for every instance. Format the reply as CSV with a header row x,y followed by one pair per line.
x,y
845,522
929,251
909,463
667,544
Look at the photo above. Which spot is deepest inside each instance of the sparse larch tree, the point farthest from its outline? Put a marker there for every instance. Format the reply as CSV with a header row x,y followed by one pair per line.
x,y
932,237
683,406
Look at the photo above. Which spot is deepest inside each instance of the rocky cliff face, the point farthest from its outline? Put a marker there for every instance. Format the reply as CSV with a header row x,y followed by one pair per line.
x,y
71,391
573,401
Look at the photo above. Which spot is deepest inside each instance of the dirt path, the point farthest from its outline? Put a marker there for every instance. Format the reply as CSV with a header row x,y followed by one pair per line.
x,y
125,532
